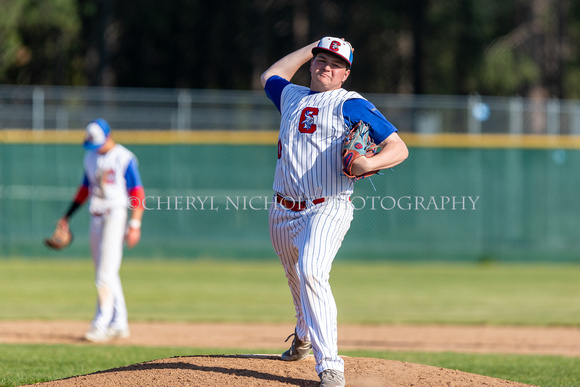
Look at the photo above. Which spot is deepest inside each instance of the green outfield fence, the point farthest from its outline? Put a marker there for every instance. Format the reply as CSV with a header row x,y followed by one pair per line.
x,y
206,200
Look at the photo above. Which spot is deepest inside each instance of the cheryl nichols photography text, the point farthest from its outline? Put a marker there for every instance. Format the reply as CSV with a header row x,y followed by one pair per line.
x,y
261,203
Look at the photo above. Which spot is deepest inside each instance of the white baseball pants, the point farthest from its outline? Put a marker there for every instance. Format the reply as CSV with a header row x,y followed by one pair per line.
x,y
306,243
107,234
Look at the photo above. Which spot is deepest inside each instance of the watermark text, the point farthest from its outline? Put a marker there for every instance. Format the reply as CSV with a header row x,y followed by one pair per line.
x,y
263,203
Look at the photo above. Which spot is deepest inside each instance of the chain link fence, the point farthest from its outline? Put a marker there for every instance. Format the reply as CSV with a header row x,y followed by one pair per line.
x,y
45,108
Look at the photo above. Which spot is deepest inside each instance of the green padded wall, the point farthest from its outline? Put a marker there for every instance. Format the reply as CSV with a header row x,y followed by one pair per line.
x,y
458,204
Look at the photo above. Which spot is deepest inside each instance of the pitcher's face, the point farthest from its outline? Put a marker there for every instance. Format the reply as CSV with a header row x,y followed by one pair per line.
x,y
327,72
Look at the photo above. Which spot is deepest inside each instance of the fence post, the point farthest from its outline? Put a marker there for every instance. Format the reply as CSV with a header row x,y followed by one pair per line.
x,y
574,117
553,116
516,123
38,109
473,124
184,110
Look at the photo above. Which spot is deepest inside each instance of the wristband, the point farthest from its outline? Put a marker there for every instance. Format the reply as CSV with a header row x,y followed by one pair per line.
x,y
135,223
72,209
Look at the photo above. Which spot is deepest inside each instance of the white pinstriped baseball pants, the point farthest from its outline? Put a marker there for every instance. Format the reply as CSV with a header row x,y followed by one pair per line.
x,y
107,233
306,243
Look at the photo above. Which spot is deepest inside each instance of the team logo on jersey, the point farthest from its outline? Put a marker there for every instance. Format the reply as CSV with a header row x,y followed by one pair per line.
x,y
307,124
108,177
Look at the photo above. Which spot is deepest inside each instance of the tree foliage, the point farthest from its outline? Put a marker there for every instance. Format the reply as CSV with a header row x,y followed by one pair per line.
x,y
39,41
401,46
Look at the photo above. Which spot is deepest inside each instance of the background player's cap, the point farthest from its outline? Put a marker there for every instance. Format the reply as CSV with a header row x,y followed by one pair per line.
x,y
337,46
96,134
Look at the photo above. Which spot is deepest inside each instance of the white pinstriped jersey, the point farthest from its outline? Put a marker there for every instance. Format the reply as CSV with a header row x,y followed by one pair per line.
x,y
309,145
106,175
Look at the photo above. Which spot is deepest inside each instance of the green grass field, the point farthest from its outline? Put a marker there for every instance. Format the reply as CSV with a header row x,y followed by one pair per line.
x,y
212,291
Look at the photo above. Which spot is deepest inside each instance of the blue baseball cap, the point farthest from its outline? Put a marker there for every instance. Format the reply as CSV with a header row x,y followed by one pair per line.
x,y
336,46
96,134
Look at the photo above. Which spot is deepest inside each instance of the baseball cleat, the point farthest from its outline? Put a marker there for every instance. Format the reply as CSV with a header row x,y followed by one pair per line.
x,y
116,333
298,350
332,378
97,335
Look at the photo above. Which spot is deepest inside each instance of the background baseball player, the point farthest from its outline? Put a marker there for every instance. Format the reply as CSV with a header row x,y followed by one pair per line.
x,y
111,180
312,210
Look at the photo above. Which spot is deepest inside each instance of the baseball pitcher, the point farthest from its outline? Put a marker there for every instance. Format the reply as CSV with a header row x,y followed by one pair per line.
x,y
318,161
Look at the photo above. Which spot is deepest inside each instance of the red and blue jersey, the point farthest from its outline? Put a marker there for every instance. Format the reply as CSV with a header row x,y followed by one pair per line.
x,y
353,110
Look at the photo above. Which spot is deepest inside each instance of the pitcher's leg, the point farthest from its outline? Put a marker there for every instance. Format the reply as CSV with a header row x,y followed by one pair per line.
x,y
319,244
282,231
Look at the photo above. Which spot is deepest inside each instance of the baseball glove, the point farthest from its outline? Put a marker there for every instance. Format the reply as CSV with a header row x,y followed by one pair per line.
x,y
61,237
357,143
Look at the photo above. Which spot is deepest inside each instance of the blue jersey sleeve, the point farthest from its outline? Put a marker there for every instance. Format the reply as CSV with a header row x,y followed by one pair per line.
x,y
132,175
85,182
273,88
355,110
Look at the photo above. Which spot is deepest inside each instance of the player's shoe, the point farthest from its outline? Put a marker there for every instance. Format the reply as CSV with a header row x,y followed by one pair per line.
x,y
332,378
97,335
298,350
116,333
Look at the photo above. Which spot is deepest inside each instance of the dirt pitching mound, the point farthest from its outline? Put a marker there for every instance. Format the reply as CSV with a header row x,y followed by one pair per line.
x,y
269,370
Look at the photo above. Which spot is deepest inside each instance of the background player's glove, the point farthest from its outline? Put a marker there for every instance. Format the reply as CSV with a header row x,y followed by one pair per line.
x,y
357,143
61,237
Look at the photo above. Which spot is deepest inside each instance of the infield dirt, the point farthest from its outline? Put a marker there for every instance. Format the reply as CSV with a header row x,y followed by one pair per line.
x,y
268,370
